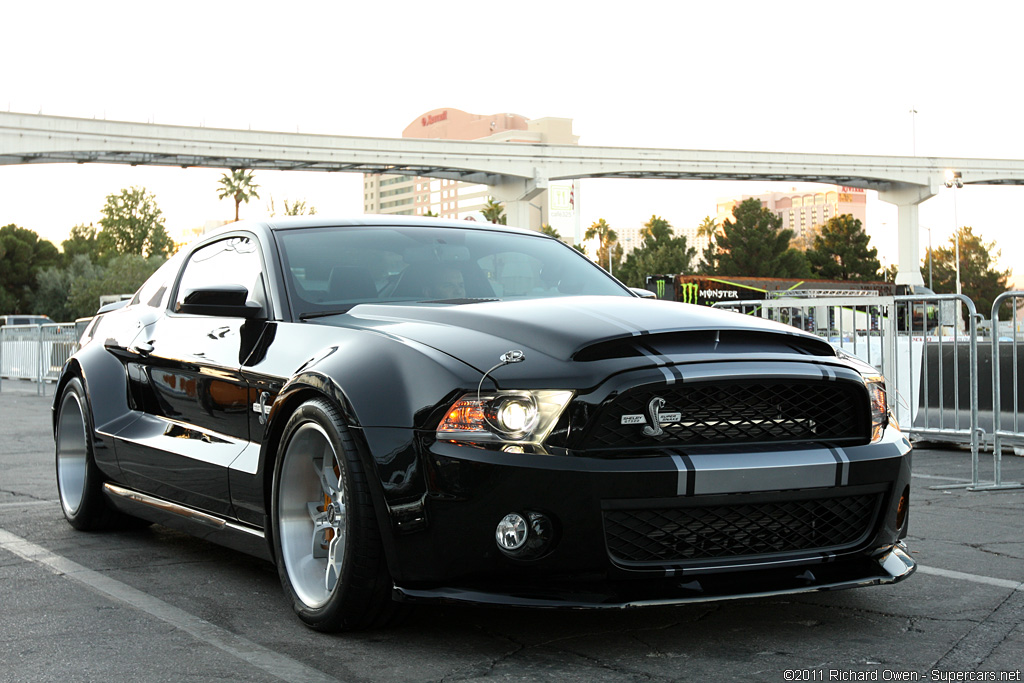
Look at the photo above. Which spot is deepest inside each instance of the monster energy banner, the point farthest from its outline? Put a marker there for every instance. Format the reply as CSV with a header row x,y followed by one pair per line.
x,y
661,285
703,291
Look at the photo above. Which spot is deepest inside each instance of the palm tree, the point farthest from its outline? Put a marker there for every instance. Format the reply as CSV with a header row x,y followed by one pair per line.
x,y
494,212
707,228
239,186
606,238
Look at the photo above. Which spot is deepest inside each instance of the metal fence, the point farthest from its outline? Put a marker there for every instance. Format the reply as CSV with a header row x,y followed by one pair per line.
x,y
927,348
36,352
1006,338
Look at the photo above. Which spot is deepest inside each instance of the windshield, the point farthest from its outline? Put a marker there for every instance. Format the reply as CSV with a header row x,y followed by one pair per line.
x,y
330,270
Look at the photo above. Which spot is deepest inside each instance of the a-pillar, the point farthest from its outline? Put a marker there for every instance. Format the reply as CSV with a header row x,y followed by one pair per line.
x,y
907,198
515,195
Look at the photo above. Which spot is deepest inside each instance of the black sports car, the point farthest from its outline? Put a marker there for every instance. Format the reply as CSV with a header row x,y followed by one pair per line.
x,y
402,410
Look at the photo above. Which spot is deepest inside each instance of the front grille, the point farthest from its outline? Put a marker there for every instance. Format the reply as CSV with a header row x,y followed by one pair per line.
x,y
733,413
687,534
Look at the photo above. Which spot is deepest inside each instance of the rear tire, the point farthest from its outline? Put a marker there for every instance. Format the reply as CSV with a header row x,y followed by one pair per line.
x,y
79,480
328,548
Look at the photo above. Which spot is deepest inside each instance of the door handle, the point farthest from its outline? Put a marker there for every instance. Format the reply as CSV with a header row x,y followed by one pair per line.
x,y
263,409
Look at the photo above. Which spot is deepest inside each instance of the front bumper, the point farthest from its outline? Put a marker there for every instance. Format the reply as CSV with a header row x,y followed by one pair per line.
x,y
450,553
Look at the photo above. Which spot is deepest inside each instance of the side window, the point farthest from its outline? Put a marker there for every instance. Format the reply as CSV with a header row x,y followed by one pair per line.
x,y
153,291
231,261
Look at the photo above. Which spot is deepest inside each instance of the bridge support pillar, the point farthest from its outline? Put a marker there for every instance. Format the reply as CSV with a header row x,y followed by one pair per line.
x,y
907,198
515,195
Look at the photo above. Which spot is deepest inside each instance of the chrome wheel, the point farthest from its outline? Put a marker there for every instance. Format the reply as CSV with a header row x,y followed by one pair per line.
x,y
72,452
313,515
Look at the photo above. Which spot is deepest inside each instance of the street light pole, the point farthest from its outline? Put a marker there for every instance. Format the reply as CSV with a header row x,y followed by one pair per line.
x,y
955,181
930,260
913,130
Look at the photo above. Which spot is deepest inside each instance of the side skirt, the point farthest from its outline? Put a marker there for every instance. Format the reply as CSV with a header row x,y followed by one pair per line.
x,y
193,522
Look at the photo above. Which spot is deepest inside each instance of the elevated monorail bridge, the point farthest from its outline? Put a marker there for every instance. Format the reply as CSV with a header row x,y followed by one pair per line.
x,y
517,172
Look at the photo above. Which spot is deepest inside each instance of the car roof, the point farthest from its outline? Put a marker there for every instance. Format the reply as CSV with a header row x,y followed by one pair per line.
x,y
293,222
264,227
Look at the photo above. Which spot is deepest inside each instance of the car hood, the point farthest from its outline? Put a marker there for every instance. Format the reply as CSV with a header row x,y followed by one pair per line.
x,y
478,333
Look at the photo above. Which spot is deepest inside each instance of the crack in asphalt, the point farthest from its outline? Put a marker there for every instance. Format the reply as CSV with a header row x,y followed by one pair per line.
x,y
846,609
981,547
24,495
971,650
486,670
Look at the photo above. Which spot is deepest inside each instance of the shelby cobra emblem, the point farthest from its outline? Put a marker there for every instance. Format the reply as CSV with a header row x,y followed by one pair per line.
x,y
654,419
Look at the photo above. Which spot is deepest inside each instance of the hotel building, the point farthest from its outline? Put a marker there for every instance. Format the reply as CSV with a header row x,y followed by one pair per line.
x,y
414,196
803,212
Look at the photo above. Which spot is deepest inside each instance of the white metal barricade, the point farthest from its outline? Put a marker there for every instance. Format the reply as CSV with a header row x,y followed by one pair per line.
x,y
36,352
1006,337
927,348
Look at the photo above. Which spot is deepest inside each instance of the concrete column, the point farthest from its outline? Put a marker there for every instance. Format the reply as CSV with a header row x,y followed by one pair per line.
x,y
515,195
907,198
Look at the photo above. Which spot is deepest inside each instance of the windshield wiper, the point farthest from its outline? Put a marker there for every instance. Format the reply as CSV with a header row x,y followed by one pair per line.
x,y
324,314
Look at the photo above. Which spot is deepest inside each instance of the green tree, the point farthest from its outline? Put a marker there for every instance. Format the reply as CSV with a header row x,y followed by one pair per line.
x,y
841,251
133,224
656,231
297,207
238,185
753,244
22,255
82,241
493,212
123,274
607,243
661,253
549,231
56,288
979,281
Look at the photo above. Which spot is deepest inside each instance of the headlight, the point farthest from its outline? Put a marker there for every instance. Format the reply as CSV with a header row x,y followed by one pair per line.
x,y
879,407
525,417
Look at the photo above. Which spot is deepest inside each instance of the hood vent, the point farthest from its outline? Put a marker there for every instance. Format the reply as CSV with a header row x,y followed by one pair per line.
x,y
704,342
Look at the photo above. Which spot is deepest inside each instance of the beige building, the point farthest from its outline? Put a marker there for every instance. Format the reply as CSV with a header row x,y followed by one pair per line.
x,y
803,212
415,196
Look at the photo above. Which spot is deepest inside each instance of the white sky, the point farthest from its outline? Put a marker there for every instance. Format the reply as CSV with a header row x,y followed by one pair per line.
x,y
777,76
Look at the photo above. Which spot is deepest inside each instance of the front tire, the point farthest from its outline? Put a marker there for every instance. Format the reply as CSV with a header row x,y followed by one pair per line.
x,y
329,554
79,481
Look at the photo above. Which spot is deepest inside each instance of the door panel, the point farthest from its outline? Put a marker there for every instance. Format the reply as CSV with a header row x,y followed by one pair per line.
x,y
185,378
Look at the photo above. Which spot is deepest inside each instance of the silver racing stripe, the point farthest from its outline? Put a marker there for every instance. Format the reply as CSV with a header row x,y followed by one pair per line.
x,y
684,474
843,466
715,473
670,372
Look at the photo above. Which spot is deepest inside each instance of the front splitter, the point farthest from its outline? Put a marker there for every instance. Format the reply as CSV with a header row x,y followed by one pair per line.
x,y
892,567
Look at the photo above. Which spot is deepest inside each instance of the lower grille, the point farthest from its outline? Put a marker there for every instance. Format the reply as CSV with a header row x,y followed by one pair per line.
x,y
684,534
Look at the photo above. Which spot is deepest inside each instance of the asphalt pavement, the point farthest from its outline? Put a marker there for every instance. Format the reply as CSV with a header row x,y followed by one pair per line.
x,y
157,605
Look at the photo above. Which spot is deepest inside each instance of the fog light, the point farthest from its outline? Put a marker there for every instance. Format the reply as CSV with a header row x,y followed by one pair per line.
x,y
525,535
512,532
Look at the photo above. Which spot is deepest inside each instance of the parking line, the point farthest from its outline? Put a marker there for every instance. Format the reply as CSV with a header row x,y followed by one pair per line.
x,y
933,476
974,578
273,663
27,503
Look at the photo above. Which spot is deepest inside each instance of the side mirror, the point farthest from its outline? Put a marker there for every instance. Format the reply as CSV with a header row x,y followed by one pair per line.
x,y
226,301
643,293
